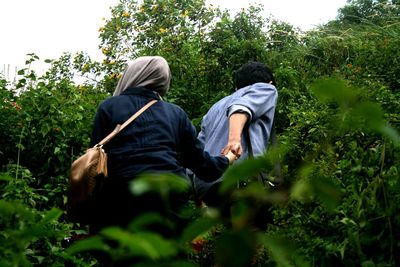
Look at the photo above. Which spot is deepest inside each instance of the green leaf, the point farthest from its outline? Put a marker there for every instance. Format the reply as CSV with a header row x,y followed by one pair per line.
x,y
283,251
5,177
243,170
333,90
52,215
236,248
140,187
368,264
279,250
160,183
44,130
140,222
312,130
88,244
197,228
21,72
368,115
146,244
391,133
20,146
327,192
262,194
57,150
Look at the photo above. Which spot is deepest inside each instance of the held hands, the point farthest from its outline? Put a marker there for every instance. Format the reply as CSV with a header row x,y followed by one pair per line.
x,y
231,157
234,146
233,150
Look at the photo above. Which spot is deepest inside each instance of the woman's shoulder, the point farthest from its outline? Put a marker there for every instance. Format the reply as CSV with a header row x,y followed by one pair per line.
x,y
174,112
173,107
114,101
110,100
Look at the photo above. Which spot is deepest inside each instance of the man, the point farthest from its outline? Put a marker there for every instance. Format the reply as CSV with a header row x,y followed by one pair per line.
x,y
248,111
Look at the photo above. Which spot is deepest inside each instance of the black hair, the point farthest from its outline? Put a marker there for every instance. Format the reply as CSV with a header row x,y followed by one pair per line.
x,y
253,72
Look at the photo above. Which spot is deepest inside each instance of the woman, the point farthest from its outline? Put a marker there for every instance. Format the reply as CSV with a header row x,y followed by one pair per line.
x,y
161,140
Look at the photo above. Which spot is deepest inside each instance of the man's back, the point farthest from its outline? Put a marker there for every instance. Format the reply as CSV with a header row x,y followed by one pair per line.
x,y
248,112
260,100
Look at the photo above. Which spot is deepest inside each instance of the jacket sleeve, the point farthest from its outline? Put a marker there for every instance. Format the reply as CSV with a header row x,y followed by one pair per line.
x,y
258,98
194,157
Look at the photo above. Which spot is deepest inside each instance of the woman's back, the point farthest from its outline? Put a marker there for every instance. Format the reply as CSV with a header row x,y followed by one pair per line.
x,y
149,143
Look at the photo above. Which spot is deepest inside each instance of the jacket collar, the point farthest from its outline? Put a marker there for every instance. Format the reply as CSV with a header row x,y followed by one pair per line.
x,y
141,91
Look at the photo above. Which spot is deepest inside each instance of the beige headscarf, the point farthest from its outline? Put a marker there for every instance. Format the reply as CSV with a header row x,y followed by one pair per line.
x,y
153,73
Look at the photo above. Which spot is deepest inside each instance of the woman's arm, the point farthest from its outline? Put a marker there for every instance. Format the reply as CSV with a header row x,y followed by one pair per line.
x,y
194,157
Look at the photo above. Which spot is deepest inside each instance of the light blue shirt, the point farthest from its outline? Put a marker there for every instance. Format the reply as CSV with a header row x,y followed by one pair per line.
x,y
259,102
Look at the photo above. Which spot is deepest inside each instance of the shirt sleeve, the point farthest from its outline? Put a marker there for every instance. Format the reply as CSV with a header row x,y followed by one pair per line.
x,y
202,134
257,99
194,157
239,109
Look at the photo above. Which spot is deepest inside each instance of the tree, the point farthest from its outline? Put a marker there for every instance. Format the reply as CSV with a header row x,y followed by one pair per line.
x,y
369,11
203,45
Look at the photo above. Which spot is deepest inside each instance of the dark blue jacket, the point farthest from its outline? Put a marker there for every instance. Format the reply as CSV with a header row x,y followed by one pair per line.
x,y
162,139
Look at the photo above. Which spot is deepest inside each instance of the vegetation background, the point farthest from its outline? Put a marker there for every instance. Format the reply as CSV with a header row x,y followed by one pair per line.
x,y
338,144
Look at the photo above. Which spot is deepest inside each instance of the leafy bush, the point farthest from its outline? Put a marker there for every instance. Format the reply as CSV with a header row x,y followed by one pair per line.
x,y
337,121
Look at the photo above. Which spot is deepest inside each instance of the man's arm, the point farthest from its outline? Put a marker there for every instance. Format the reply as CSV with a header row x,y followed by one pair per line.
x,y
237,121
256,101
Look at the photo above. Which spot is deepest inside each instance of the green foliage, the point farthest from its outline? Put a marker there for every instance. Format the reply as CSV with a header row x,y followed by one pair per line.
x,y
337,120
203,45
360,46
46,126
18,184
342,167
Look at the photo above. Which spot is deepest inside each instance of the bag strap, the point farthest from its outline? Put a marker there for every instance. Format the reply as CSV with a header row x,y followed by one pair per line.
x,y
120,127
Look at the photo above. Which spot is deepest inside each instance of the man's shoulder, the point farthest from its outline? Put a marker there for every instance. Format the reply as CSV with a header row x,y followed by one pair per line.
x,y
256,87
222,102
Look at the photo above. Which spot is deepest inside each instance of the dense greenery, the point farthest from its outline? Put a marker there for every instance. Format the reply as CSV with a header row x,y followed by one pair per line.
x,y
338,144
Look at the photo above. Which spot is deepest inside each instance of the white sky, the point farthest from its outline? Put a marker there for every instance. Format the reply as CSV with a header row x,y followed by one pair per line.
x,y
50,27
